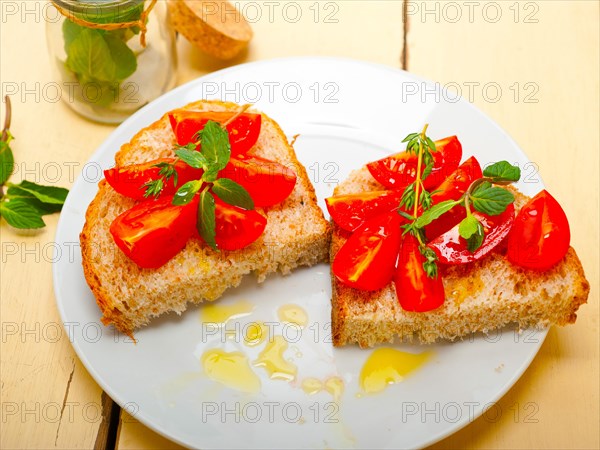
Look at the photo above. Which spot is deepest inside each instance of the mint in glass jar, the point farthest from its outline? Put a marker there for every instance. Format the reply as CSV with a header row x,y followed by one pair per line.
x,y
112,57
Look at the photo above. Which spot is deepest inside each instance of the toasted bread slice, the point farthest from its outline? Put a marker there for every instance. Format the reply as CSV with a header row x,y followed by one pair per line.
x,y
296,234
480,296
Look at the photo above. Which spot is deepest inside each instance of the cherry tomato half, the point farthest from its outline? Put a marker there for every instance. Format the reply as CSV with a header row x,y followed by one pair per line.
x,y
367,260
267,182
540,236
237,228
416,291
129,180
350,211
243,130
399,170
453,188
154,231
451,248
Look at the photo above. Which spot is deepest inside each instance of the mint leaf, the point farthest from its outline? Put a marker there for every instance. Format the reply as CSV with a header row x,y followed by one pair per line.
x,y
215,145
70,32
45,194
15,193
476,239
468,226
206,218
192,158
122,56
410,137
186,193
233,193
434,212
100,57
7,162
20,214
89,56
502,171
490,199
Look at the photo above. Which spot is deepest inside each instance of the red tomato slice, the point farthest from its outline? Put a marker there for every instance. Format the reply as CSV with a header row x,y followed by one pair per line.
x,y
415,290
267,182
237,228
540,236
129,180
399,170
154,231
352,210
451,248
453,188
367,260
243,131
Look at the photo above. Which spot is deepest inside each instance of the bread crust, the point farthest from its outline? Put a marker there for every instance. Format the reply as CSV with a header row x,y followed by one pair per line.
x,y
100,255
480,297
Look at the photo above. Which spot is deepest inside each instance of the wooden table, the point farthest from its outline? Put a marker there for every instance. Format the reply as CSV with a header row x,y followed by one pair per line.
x,y
532,66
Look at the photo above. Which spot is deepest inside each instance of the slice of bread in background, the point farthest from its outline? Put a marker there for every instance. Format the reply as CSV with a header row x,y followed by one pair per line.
x,y
480,296
296,234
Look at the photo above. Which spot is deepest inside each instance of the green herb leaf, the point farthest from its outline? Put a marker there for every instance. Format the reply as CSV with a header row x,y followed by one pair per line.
x,y
7,162
20,214
70,32
434,212
153,188
206,218
476,239
408,196
15,193
468,226
167,170
233,193
211,174
427,170
490,199
405,215
192,158
122,56
430,144
45,194
430,263
425,199
410,137
502,171
186,193
215,146
99,56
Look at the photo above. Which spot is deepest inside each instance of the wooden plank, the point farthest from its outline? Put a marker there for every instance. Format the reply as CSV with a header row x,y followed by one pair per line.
x,y
48,399
544,64
371,31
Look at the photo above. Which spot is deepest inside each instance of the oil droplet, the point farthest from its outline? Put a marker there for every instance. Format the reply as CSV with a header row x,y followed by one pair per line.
x,y
293,314
231,369
271,358
387,366
312,385
335,386
218,313
255,333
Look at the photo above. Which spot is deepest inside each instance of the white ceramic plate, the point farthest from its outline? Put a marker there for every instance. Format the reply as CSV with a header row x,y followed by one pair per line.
x,y
347,113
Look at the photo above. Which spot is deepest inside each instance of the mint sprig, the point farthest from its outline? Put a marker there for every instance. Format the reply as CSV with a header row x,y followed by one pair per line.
x,y
24,204
213,157
423,146
483,196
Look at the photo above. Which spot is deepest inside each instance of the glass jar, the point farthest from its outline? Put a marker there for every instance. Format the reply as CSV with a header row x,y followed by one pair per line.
x,y
111,57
